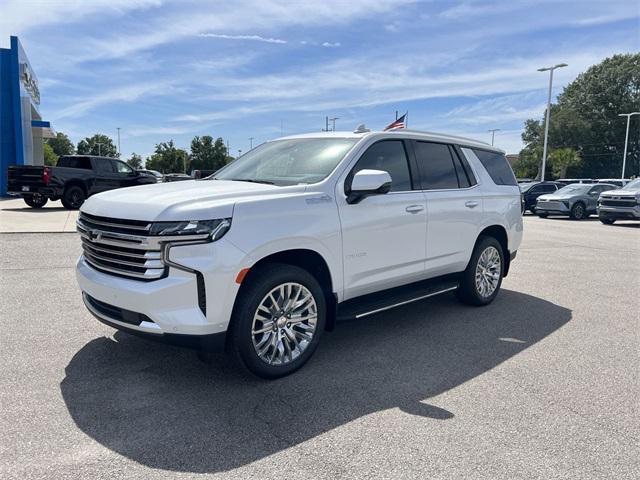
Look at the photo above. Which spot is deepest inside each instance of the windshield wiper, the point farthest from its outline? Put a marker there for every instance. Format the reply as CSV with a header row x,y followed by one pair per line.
x,y
252,180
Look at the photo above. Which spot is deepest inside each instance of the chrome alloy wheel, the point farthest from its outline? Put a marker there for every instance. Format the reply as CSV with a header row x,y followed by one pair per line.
x,y
284,324
488,272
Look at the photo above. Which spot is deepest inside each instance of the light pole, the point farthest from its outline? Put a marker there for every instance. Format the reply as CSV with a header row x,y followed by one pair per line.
x,y
99,145
333,121
493,134
626,139
250,143
119,151
546,125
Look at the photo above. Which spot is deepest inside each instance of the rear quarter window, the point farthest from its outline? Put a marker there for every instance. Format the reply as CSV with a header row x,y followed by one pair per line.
x,y
497,167
75,162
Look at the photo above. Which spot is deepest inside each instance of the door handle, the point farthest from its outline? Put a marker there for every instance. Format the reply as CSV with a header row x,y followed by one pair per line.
x,y
414,208
471,204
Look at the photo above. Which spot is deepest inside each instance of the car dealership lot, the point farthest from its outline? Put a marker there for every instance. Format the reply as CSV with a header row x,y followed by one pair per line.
x,y
543,383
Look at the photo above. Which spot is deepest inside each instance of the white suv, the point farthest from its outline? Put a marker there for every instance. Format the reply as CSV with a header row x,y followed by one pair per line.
x,y
270,251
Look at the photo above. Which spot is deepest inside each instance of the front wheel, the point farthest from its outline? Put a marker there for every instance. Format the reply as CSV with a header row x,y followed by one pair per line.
x,y
542,215
607,220
578,212
36,201
482,279
278,320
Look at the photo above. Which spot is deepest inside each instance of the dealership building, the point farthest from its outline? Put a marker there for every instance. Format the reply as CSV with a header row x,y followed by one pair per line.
x,y
22,128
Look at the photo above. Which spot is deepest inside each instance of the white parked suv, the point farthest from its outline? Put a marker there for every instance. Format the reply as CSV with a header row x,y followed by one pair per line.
x,y
270,251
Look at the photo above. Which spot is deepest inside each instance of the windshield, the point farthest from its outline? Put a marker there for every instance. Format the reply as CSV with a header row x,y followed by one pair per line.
x,y
634,185
575,188
288,162
526,186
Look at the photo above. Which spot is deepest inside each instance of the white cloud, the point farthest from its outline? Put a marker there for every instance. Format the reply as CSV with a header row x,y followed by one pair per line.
x,y
19,16
330,44
127,93
256,38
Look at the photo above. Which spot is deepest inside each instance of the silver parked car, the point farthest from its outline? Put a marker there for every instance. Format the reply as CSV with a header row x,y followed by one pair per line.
x,y
578,200
623,204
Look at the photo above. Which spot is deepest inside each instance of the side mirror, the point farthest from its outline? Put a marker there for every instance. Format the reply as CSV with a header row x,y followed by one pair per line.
x,y
366,183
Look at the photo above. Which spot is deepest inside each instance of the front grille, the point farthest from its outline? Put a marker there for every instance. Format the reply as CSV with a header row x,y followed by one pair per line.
x,y
551,205
622,202
121,247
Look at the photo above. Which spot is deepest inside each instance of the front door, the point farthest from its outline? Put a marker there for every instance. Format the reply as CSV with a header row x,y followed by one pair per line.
x,y
383,236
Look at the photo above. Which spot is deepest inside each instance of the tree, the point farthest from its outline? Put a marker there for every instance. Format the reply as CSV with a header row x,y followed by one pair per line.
x,y
562,160
135,161
99,144
585,119
50,157
168,159
61,145
207,154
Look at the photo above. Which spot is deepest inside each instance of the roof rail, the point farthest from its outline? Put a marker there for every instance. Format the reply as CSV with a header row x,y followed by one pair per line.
x,y
436,134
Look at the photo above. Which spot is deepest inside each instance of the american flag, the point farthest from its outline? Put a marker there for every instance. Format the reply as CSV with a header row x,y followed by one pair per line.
x,y
399,123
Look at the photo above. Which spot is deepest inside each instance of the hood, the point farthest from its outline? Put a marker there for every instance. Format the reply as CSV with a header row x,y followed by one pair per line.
x,y
559,196
187,200
621,192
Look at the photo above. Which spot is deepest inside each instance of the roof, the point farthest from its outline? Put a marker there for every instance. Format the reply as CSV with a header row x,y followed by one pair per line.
x,y
404,132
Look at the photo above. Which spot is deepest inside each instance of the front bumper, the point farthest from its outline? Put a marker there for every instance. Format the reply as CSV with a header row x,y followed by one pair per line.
x,y
169,306
555,207
621,213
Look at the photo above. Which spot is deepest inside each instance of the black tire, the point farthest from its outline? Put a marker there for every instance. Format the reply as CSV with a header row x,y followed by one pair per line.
x,y
36,201
543,215
258,285
578,211
73,197
607,220
469,292
532,209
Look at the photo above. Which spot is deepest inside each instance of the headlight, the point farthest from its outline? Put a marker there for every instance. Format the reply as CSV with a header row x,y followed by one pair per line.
x,y
215,228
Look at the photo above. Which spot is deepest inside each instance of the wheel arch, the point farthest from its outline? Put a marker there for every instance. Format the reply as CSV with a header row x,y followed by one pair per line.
x,y
75,183
309,260
500,234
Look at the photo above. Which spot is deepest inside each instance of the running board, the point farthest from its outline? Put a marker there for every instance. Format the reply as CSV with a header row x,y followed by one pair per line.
x,y
377,302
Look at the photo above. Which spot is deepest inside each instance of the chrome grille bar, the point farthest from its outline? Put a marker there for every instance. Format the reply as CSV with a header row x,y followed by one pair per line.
x,y
125,247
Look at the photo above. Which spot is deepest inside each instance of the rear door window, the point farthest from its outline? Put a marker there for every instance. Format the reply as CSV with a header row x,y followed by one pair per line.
x,y
496,166
437,169
103,165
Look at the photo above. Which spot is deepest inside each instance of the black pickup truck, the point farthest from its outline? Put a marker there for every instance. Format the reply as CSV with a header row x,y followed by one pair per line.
x,y
75,178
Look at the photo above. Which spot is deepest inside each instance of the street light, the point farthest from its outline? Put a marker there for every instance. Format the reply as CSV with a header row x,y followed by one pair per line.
x,y
546,126
333,120
493,133
250,143
626,138
119,151
99,145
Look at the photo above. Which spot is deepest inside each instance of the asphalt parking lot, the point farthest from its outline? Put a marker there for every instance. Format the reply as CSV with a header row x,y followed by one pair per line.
x,y
544,383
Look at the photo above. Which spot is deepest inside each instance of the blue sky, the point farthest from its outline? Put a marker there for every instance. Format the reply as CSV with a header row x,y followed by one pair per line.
x,y
165,70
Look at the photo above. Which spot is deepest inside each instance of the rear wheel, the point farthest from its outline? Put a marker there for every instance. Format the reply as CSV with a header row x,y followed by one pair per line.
x,y
278,320
36,201
542,215
578,211
607,220
482,279
73,197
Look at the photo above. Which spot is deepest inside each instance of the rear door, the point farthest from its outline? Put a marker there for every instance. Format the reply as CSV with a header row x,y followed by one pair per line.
x,y
454,206
105,176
